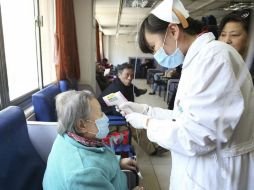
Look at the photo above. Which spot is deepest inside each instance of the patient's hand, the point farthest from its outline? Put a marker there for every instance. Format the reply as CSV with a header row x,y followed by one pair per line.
x,y
138,188
128,164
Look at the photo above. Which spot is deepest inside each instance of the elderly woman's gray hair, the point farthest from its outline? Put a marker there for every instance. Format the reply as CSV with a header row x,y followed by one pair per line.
x,y
71,106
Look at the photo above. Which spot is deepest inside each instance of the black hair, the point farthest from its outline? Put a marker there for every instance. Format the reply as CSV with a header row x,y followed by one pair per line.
x,y
154,25
210,24
209,20
179,68
104,60
241,16
123,66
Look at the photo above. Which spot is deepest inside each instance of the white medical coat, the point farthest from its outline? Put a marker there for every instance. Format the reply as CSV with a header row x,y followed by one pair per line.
x,y
214,101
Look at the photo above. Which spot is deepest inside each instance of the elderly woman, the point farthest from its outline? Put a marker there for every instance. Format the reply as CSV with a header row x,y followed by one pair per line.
x,y
79,159
234,29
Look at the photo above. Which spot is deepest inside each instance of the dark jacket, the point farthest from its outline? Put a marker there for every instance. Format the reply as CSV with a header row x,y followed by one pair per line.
x,y
115,86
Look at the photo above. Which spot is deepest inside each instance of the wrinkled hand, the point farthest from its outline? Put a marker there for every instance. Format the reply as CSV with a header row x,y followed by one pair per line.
x,y
138,188
128,164
130,107
137,120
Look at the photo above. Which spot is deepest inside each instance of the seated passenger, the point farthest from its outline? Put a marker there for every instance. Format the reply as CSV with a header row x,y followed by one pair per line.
x,y
170,74
105,63
79,159
148,64
122,83
157,80
102,81
234,29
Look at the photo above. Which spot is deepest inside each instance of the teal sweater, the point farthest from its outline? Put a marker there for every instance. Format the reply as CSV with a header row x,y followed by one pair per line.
x,y
73,166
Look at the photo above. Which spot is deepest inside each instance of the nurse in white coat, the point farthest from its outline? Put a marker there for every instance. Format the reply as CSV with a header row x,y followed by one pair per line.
x,y
213,109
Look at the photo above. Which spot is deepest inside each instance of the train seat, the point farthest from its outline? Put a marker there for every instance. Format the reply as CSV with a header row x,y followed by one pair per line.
x,y
44,100
64,85
44,103
42,136
24,149
21,165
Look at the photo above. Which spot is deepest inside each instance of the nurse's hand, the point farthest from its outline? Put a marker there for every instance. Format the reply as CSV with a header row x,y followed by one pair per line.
x,y
130,107
137,120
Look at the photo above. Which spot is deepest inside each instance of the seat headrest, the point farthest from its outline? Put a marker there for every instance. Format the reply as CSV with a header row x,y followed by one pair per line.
x,y
21,166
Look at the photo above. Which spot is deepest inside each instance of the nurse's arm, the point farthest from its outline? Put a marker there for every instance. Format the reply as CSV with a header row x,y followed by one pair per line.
x,y
213,109
159,113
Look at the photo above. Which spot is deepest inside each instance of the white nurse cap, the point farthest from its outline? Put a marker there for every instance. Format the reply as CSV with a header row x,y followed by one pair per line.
x,y
172,11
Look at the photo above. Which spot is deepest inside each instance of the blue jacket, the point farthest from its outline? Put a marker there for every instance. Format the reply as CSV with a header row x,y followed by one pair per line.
x,y
74,166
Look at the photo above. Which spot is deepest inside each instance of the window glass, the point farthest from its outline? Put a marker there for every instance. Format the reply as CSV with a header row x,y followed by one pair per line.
x,y
20,46
47,40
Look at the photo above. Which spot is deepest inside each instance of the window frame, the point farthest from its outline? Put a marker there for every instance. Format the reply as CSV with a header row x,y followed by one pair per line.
x,y
4,93
24,101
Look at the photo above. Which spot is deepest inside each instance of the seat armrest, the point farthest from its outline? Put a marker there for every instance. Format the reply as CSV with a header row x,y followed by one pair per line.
x,y
132,178
43,123
42,136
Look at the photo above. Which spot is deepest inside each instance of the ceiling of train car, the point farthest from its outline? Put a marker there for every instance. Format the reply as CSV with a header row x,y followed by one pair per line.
x,y
121,17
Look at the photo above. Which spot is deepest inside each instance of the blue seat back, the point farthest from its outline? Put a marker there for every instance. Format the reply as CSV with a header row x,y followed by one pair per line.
x,y
115,120
21,167
63,85
44,103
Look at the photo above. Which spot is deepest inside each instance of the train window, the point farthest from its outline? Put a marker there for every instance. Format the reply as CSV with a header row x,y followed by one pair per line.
x,y
27,49
3,77
20,46
47,9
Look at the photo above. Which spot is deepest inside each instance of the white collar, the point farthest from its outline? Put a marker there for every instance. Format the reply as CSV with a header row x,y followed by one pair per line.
x,y
196,46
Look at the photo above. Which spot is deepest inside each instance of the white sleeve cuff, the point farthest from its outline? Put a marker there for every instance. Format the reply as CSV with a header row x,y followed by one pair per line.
x,y
159,113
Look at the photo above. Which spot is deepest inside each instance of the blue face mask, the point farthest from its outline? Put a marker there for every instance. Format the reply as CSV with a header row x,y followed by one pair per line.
x,y
169,61
102,125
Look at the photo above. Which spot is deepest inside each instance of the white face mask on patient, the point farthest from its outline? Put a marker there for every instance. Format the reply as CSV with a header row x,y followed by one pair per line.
x,y
102,126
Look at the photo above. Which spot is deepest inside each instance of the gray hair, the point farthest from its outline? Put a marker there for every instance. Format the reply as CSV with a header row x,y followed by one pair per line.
x,y
71,106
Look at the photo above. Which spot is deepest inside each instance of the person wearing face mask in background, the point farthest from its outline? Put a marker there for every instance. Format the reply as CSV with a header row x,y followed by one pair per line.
x,y
213,108
78,159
